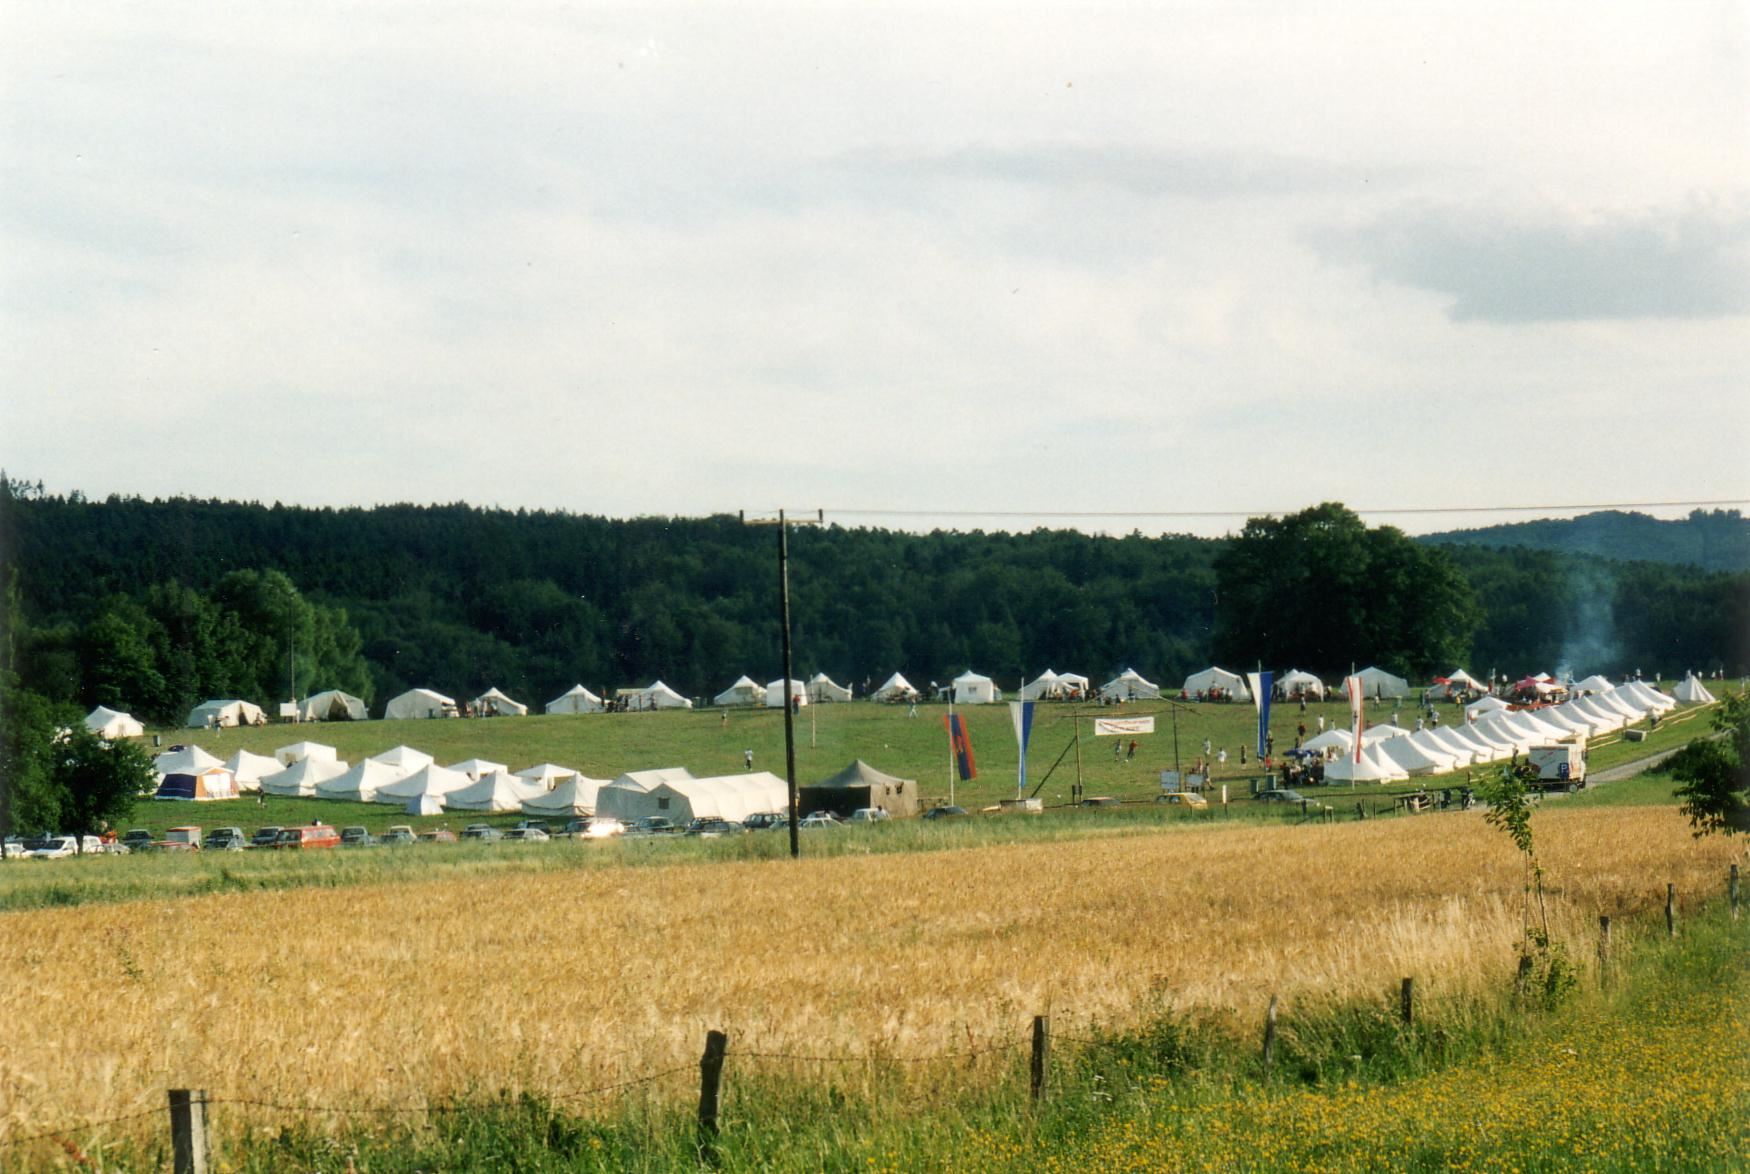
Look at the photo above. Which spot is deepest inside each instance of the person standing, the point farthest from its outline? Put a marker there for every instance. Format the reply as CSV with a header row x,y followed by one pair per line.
x,y
747,757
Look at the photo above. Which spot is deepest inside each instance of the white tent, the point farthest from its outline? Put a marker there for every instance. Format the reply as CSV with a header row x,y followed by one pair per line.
x,y
1415,759
1600,717
493,703
362,782
217,714
1592,684
1075,683
1335,738
972,688
624,797
1129,685
1212,679
1383,732
1432,747
475,768
424,805
654,696
1611,703
1691,690
1562,717
498,791
548,774
1459,681
895,688
405,757
1467,752
1373,768
1483,707
113,724
822,688
745,691
298,751
330,706
184,760
1295,684
1377,683
576,699
249,769
1046,686
298,781
1500,727
574,797
1484,749
430,779
777,695
732,797
1648,695
416,703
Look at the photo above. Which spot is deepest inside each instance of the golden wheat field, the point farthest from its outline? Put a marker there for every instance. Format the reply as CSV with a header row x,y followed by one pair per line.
x,y
391,994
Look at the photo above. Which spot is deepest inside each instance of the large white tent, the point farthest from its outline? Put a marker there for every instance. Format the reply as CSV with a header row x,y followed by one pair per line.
x,y
1294,684
1047,686
573,798
576,699
548,774
331,705
1383,732
1335,738
219,714
733,797
184,759
249,769
476,768
298,781
1647,695
1130,685
404,757
498,791
361,783
656,695
1592,684
1562,717
113,724
417,703
745,691
430,779
624,797
822,688
1458,681
1601,718
493,703
298,751
777,695
1483,707
1691,690
1376,683
1611,703
972,688
1415,759
1374,767
895,688
1444,738
1212,679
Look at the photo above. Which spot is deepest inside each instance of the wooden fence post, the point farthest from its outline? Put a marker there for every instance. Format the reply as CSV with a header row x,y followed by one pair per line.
x,y
1603,949
1270,1033
710,1084
1041,1069
1732,891
188,1131
1670,910
1407,1002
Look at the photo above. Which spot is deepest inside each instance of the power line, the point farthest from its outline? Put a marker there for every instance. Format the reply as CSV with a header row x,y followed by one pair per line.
x,y
1156,514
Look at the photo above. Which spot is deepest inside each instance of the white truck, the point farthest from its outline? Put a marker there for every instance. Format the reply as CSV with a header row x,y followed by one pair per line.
x,y
1561,767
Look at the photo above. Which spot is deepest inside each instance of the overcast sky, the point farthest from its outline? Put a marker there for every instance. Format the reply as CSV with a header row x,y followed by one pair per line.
x,y
972,257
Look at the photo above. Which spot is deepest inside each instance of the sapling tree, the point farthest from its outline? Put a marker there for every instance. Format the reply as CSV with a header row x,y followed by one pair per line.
x,y
1546,974
1713,774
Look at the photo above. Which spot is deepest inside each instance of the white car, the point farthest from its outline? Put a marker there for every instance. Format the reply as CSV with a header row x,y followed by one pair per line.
x,y
819,819
56,847
869,815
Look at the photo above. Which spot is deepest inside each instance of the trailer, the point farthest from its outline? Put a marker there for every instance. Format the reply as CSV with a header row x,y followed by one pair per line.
x,y
1561,767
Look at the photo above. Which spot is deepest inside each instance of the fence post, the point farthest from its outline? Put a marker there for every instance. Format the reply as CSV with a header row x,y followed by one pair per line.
x,y
1670,910
1732,891
1041,1057
710,1084
1603,949
1270,1033
188,1131
1407,1001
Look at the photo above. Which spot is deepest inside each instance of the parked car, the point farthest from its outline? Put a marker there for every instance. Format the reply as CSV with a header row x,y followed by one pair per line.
x,y
356,837
400,834
224,840
819,819
528,835
141,839
315,835
437,836
1280,795
711,826
187,839
869,815
14,848
265,837
595,827
653,825
538,824
57,847
946,811
484,832
1100,801
1189,799
766,821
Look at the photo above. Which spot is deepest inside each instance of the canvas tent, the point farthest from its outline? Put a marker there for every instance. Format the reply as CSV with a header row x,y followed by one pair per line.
x,y
895,688
1047,686
1335,738
224,714
576,699
822,688
1130,685
1374,767
972,688
777,695
298,781
113,724
476,768
1592,684
298,751
573,798
733,797
361,783
184,760
745,691
1376,683
332,705
1415,759
1483,707
406,758
656,695
548,774
498,791
493,703
1691,690
417,703
1647,695
623,798
249,769
430,779
1212,679
860,785
199,784
1294,684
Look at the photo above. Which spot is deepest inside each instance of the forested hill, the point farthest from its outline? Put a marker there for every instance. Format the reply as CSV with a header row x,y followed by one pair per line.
x,y
155,605
1713,540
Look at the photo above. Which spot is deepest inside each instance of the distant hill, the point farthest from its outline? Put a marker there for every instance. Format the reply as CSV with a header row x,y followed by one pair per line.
x,y
1714,540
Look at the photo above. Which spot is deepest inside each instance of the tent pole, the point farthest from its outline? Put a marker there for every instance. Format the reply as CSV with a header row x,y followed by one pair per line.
x,y
1078,721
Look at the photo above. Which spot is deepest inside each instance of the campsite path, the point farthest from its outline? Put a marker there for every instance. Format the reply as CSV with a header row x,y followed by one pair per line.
x,y
1628,770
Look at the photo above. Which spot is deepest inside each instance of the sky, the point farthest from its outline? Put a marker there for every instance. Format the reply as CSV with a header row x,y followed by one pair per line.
x,y
1134,266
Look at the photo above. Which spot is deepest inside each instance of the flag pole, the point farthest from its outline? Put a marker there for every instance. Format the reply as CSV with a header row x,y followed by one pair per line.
x,y
950,743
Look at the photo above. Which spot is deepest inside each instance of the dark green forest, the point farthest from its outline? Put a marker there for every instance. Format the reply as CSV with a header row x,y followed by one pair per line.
x,y
1711,540
156,605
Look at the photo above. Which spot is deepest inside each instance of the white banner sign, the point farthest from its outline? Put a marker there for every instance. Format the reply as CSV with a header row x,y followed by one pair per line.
x,y
1123,726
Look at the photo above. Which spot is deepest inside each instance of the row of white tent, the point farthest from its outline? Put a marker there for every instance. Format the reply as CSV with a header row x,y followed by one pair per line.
x,y
1492,731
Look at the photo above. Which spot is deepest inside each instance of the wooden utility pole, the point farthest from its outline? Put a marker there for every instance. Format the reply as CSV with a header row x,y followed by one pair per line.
x,y
783,525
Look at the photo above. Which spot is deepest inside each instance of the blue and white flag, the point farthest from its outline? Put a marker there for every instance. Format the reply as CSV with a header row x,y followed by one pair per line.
x,y
1262,685
1022,714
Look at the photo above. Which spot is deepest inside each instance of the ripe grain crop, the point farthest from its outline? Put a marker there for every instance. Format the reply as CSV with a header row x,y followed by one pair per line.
x,y
554,981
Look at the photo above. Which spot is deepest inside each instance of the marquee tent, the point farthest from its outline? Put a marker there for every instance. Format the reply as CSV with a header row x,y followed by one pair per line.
x,y
1611,703
895,688
1130,685
548,774
1414,759
777,695
1432,747
1499,728
430,779
424,805
1212,679
822,688
654,696
1075,683
972,688
332,705
498,791
1691,690
1599,717
476,768
249,769
745,691
417,703
623,798
573,798
1373,768
1484,749
218,714
493,703
1294,684
1458,681
298,751
576,699
860,785
201,784
1376,684
1047,686
1335,738
1383,732
1562,718
1592,684
1466,752
733,797
361,783
1483,707
184,760
113,724
1648,695
298,781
